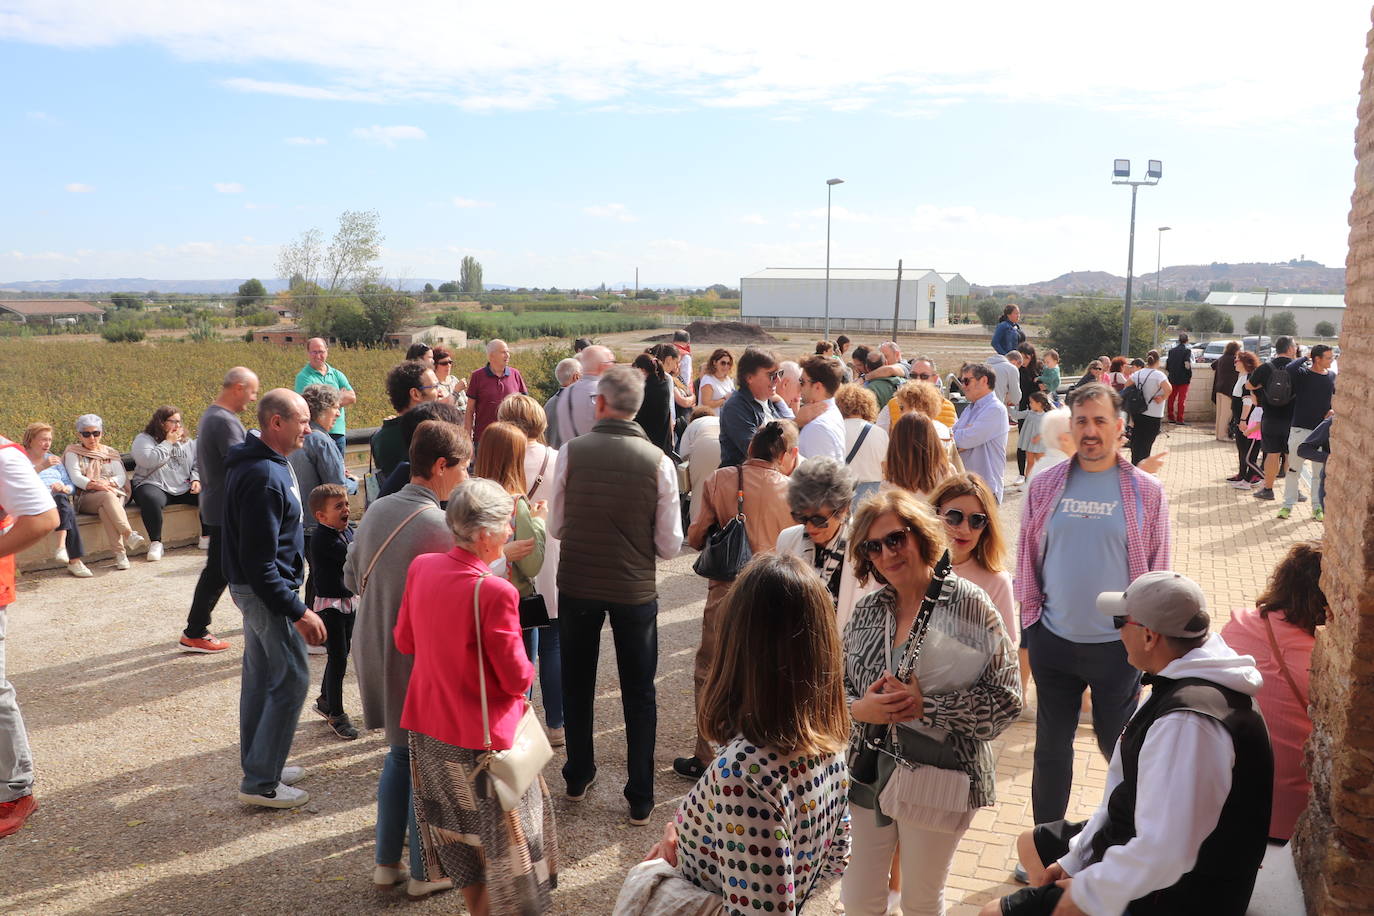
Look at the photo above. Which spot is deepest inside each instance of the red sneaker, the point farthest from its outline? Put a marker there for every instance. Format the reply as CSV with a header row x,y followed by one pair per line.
x,y
13,814
207,644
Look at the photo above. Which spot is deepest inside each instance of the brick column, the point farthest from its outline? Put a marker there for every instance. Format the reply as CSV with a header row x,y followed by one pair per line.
x,y
1334,843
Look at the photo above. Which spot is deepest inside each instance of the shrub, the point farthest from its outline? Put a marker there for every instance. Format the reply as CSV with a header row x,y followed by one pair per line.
x,y
122,333
1206,319
1324,329
1282,323
1253,324
1083,331
202,331
989,312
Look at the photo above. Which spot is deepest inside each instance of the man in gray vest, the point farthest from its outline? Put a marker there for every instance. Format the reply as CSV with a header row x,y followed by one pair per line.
x,y
614,506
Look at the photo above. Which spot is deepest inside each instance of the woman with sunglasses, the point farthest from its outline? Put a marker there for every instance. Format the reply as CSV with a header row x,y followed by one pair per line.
x,y
763,480
961,693
97,470
717,383
452,387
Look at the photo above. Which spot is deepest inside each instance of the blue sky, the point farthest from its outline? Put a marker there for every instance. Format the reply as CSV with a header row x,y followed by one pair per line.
x,y
569,145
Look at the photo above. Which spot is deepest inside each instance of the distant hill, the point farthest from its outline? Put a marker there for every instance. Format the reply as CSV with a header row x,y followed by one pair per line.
x,y
190,287
1291,277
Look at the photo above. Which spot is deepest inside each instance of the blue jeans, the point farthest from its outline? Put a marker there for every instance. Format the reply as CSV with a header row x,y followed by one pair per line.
x,y
396,814
544,643
16,763
1062,670
276,677
634,627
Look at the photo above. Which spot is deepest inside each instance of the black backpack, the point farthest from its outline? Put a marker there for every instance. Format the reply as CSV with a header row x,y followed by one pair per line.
x,y
1133,400
1278,388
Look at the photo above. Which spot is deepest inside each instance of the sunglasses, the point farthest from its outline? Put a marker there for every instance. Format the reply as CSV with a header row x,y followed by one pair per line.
x,y
815,521
775,375
1121,623
966,381
956,517
444,362
893,541
924,376
89,433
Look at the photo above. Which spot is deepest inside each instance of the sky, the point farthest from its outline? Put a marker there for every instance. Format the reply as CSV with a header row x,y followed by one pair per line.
x,y
569,144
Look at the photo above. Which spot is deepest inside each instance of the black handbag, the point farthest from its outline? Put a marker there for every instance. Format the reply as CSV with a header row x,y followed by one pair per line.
x,y
864,769
534,613
727,549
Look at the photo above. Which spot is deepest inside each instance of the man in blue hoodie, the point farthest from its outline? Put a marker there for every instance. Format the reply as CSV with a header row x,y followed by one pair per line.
x,y
263,546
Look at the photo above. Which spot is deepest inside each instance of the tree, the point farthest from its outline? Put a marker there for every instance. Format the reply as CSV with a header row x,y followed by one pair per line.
x,y
1083,331
429,287
470,276
300,260
319,312
1206,318
387,311
251,296
1324,329
1220,286
351,259
647,294
126,301
1283,323
451,288
989,312
1227,326
1253,324
1193,295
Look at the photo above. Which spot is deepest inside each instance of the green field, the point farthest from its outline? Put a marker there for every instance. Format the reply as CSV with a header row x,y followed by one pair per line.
x,y
511,326
56,381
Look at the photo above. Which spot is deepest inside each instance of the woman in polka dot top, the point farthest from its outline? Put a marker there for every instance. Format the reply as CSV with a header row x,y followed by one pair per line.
x,y
768,822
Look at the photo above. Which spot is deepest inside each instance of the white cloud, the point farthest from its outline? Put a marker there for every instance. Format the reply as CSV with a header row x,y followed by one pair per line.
x,y
306,141
753,219
388,136
228,187
611,211
77,187
619,52
466,203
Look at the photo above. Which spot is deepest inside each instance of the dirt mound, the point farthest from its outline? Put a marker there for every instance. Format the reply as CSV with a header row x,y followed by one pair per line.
x,y
721,332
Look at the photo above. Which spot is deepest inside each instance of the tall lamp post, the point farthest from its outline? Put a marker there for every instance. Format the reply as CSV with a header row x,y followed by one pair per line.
x,y
1159,249
829,186
1121,174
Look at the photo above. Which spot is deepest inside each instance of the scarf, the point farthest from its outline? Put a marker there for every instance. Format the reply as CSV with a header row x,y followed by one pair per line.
x,y
829,562
92,461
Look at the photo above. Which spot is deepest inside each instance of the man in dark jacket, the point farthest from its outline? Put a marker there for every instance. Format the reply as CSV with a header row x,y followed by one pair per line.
x,y
1179,364
263,544
1182,826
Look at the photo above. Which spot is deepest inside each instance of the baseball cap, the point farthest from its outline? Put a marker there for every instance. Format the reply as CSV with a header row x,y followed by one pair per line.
x,y
1164,601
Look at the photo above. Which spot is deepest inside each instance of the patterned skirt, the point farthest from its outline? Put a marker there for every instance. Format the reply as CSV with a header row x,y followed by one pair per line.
x,y
466,835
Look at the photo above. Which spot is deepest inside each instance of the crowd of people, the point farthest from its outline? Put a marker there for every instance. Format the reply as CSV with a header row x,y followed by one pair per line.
x,y
870,627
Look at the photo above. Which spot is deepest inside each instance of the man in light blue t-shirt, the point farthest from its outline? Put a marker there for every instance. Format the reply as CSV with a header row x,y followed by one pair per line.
x,y
319,372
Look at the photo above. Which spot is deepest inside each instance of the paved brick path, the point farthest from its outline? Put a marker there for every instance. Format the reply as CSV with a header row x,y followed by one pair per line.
x,y
136,744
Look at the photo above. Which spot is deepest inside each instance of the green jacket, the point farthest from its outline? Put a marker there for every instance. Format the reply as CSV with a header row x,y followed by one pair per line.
x,y
522,572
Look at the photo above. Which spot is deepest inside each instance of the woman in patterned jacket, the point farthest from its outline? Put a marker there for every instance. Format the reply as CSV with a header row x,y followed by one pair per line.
x,y
964,690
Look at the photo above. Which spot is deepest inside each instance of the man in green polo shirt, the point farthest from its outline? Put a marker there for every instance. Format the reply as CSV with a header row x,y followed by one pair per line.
x,y
319,372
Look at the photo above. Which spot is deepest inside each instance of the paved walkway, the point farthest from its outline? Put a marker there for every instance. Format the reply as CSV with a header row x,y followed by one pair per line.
x,y
136,743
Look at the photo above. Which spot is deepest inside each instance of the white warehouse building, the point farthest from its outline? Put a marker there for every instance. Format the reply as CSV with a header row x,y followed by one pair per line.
x,y
861,299
1307,308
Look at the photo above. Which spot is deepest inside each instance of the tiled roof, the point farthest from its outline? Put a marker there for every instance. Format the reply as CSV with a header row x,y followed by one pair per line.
x,y
49,307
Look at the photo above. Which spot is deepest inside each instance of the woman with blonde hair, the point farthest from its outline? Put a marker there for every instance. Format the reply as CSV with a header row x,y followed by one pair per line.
x,y
916,461
865,442
928,662
97,471
53,474
525,414
774,704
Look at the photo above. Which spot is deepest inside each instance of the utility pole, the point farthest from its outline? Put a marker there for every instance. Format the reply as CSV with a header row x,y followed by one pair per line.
x,y
636,282
897,303
1264,318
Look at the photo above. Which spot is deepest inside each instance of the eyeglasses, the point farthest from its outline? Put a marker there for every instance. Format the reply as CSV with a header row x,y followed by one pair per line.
x,y
965,382
893,541
173,422
815,521
89,433
924,376
1121,622
425,387
775,375
956,517
444,362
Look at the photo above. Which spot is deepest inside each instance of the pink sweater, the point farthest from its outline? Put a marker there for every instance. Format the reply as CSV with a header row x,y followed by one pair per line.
x,y
1284,713
998,587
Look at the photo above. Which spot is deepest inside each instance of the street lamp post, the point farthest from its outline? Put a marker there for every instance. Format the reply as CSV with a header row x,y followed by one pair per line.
x,y
1159,249
829,186
1121,174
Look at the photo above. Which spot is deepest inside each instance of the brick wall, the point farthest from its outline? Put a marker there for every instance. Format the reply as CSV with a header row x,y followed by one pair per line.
x,y
1334,843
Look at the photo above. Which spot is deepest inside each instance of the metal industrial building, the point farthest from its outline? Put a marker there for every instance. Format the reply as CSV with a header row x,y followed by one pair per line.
x,y
861,299
1307,308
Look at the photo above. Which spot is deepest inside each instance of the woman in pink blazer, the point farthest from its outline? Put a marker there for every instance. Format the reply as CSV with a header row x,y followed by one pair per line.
x,y
1285,618
503,860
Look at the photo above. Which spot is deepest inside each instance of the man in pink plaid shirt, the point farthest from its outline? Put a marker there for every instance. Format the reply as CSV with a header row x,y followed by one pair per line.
x,y
1091,524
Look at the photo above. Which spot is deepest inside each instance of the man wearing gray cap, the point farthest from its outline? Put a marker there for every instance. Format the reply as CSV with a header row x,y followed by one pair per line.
x,y
1184,817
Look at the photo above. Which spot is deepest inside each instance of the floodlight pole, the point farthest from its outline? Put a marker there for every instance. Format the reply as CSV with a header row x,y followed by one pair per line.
x,y
1130,261
829,186
1159,251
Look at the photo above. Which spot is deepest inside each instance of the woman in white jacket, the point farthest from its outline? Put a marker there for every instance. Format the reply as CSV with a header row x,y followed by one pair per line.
x,y
164,472
820,496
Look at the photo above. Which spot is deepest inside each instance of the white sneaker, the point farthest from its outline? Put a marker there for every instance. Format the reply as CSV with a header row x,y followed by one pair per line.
x,y
78,569
61,555
283,797
204,542
291,775
154,551
134,541
121,560
1020,480
416,888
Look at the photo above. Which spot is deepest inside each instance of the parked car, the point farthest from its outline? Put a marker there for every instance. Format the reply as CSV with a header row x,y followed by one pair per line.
x,y
1212,352
1260,346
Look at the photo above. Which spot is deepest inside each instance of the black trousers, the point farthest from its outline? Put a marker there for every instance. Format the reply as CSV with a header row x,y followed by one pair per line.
x,y
152,499
338,630
67,521
1143,434
209,587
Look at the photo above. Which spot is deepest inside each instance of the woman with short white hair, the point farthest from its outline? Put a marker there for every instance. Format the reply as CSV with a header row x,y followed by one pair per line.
x,y
504,861
97,471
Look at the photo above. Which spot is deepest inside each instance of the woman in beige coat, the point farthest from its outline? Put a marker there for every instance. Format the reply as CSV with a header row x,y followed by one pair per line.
x,y
763,481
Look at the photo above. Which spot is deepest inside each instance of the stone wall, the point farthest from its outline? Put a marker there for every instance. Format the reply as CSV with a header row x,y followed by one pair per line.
x,y
1334,843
